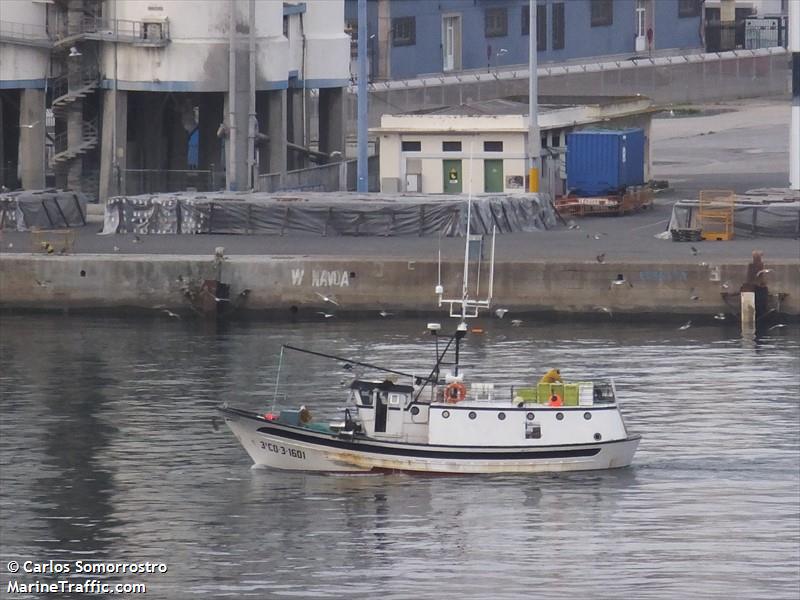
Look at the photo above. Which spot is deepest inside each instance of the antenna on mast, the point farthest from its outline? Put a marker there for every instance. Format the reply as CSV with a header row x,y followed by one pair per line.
x,y
465,307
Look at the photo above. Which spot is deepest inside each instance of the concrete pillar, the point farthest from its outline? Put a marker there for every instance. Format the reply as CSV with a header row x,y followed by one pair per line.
x,y
239,153
211,115
295,131
31,139
114,144
276,130
332,120
383,70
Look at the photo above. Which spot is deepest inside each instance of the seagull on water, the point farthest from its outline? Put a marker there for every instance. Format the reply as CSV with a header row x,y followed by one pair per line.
x,y
694,250
720,316
604,309
763,272
778,326
171,314
383,313
325,314
601,258
516,322
501,312
685,326
329,299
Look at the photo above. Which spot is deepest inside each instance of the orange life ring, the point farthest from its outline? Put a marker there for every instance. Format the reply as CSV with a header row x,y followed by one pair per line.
x,y
555,400
455,392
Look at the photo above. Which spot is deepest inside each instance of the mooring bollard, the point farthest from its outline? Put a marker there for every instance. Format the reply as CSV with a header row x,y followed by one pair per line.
x,y
748,312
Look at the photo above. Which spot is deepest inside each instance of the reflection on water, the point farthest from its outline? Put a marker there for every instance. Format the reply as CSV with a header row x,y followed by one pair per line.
x,y
108,451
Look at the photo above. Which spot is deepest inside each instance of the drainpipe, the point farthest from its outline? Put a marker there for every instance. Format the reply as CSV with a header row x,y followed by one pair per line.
x,y
794,136
231,150
361,164
251,125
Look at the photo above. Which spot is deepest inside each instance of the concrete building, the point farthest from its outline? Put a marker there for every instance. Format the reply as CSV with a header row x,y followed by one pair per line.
x,y
408,38
483,144
24,66
157,95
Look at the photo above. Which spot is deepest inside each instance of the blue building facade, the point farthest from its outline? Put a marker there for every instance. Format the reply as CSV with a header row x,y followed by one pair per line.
x,y
412,38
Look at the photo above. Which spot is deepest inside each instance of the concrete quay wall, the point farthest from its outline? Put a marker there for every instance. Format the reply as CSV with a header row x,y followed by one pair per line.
x,y
296,284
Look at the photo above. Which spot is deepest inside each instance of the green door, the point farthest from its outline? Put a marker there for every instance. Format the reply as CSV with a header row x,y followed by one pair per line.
x,y
452,176
492,175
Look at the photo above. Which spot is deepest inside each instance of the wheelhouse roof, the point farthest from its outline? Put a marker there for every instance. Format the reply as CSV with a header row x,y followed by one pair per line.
x,y
363,385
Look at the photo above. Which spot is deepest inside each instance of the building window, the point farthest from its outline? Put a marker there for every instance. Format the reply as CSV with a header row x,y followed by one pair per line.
x,y
602,13
492,146
558,26
541,25
689,8
411,146
404,31
496,22
286,26
451,146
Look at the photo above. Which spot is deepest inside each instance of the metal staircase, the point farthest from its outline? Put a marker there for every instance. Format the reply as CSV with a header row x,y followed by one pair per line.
x,y
71,86
67,149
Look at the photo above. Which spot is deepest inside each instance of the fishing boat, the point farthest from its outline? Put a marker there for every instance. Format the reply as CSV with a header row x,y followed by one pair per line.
x,y
444,424
443,421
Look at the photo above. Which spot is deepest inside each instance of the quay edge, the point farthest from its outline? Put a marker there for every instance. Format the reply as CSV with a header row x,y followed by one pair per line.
x,y
297,283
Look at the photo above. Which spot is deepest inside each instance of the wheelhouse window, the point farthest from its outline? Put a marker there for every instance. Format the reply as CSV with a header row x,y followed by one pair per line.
x,y
689,8
558,26
410,146
541,25
404,31
496,22
451,146
602,13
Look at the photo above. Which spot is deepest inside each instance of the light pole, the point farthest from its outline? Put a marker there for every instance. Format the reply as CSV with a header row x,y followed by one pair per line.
x,y
534,143
794,135
361,163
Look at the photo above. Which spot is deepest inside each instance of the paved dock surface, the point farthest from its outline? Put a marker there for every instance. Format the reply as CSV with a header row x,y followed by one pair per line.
x,y
734,145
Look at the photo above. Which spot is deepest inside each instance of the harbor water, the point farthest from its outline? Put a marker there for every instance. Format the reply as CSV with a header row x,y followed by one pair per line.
x,y
111,451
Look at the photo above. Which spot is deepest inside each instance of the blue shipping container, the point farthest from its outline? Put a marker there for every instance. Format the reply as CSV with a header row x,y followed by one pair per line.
x,y
604,161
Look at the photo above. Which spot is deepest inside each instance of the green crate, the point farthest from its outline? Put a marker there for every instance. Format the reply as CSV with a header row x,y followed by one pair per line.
x,y
570,396
528,395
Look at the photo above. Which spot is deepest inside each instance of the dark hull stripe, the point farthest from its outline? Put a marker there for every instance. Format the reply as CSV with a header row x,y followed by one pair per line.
x,y
360,446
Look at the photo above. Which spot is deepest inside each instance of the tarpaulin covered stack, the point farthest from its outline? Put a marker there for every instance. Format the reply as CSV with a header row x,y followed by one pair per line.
x,y
42,209
320,213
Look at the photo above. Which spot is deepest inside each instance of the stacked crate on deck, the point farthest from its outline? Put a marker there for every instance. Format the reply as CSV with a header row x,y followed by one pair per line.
x,y
715,214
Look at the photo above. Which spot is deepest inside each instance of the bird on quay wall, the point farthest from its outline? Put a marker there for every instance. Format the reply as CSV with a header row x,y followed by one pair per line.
x,y
42,283
763,272
601,258
694,250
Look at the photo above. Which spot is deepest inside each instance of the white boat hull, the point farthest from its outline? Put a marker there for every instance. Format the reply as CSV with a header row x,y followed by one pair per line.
x,y
292,448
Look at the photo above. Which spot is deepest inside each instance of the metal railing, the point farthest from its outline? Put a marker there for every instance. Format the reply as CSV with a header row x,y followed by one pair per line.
x,y
153,181
74,80
62,142
151,33
333,177
24,33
